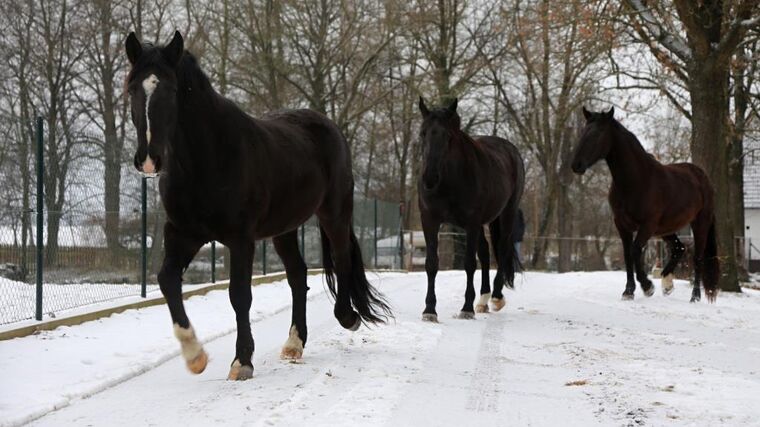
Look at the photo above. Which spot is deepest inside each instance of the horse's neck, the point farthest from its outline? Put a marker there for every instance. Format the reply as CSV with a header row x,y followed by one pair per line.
x,y
196,144
630,165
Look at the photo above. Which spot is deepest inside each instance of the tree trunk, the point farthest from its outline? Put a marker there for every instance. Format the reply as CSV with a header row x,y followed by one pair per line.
x,y
711,147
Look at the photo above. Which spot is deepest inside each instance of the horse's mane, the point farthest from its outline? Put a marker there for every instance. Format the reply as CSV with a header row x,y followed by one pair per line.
x,y
190,75
627,135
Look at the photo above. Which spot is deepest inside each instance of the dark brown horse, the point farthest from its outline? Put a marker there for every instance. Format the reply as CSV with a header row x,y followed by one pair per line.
x,y
652,199
228,177
468,182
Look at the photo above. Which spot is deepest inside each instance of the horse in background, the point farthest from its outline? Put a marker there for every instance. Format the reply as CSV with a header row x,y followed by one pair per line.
x,y
468,182
229,177
651,199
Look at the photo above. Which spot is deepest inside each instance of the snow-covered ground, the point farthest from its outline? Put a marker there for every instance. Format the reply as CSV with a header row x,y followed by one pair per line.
x,y
565,351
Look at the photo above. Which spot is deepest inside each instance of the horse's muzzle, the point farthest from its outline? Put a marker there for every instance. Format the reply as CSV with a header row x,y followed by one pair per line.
x,y
578,167
149,165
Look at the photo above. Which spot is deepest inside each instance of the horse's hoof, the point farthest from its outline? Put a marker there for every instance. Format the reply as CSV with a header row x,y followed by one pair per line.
x,y
293,348
649,291
482,305
351,322
627,296
498,303
430,317
695,298
198,364
239,372
667,285
467,315
711,296
290,353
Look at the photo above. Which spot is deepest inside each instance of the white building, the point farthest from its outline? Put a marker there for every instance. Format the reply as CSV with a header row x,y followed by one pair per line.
x,y
752,210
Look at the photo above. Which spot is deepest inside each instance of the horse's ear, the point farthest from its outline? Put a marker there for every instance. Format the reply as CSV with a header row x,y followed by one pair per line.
x,y
173,51
610,114
133,48
453,106
423,108
587,114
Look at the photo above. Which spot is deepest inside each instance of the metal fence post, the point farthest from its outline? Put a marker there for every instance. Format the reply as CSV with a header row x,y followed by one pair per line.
x,y
401,233
303,241
144,237
264,257
213,261
40,217
375,203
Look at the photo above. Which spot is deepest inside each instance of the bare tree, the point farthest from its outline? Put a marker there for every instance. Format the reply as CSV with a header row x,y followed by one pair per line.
x,y
103,101
696,41
552,68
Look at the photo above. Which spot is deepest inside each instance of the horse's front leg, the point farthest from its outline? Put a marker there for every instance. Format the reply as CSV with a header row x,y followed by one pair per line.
x,y
676,252
485,264
430,229
286,246
627,238
637,251
473,235
241,268
179,250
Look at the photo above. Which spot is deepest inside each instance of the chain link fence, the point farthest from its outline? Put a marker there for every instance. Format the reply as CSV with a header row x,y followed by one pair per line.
x,y
88,255
81,268
565,254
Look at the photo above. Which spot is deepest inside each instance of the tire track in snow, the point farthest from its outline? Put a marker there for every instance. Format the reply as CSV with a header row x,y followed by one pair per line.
x,y
485,386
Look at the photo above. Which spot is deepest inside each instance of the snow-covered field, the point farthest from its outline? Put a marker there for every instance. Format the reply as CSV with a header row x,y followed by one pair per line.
x,y
565,351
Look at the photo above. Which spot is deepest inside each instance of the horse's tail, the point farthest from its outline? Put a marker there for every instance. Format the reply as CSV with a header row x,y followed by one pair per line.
x,y
327,262
368,302
711,265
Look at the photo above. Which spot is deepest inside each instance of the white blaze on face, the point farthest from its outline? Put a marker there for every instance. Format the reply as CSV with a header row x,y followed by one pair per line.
x,y
149,86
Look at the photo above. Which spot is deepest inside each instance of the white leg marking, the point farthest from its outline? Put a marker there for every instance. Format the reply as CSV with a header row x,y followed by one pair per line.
x,y
484,299
191,348
149,85
667,284
293,348
482,305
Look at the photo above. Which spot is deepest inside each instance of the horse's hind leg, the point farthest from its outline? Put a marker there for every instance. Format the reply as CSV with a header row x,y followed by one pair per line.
x,y
339,234
473,236
286,246
241,268
676,252
179,251
485,264
498,282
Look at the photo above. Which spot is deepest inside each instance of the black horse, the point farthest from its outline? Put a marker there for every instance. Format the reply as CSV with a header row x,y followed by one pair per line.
x,y
468,182
652,199
228,177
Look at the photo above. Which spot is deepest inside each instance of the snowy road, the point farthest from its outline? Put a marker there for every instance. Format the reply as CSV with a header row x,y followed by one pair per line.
x,y
565,351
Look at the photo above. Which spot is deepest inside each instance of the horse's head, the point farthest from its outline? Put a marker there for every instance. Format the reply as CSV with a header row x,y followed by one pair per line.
x,y
596,140
152,88
436,132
